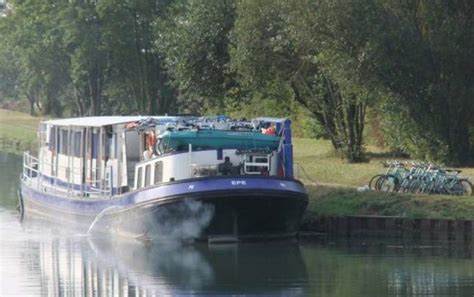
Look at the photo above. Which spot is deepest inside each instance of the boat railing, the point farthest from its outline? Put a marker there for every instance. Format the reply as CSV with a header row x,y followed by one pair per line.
x,y
98,187
94,187
30,166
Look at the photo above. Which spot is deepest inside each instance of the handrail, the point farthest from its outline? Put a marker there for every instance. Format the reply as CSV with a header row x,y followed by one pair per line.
x,y
102,187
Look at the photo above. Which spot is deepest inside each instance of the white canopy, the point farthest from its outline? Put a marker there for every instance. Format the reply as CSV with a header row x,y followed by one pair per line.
x,y
101,121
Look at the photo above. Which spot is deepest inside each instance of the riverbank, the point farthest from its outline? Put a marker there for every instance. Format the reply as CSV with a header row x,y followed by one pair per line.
x,y
18,131
332,186
343,202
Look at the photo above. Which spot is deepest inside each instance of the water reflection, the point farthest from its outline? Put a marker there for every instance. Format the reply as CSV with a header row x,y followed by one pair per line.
x,y
370,268
78,266
10,169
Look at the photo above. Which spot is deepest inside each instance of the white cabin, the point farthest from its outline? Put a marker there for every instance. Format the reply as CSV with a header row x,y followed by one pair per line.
x,y
105,156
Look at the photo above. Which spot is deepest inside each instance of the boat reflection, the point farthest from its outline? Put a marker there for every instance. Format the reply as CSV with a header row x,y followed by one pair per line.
x,y
93,266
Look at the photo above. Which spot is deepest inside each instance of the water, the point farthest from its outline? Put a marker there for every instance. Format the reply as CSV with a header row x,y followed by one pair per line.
x,y
42,260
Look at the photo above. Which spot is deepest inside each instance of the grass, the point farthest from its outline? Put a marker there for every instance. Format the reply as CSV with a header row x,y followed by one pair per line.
x,y
316,162
330,201
331,182
18,130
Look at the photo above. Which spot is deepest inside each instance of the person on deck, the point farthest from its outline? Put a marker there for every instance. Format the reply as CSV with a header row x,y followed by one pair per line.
x,y
151,142
148,154
226,167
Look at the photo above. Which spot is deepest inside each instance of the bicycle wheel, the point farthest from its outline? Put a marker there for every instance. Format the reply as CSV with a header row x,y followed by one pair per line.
x,y
388,183
414,187
455,188
404,185
373,181
467,185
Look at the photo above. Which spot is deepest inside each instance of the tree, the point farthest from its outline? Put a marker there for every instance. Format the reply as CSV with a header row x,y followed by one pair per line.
x,y
195,40
426,64
82,39
280,43
9,69
137,64
34,45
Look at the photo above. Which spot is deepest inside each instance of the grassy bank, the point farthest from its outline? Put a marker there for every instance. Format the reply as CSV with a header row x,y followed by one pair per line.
x,y
330,181
332,186
17,131
330,201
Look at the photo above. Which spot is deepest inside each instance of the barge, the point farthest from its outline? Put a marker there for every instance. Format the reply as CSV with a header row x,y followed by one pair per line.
x,y
165,177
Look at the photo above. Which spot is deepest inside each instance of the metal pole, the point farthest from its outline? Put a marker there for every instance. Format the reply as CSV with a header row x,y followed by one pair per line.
x,y
68,170
56,157
41,151
100,157
190,151
82,160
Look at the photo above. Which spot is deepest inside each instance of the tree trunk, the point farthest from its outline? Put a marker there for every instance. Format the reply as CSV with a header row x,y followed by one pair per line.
x,y
342,117
79,102
31,100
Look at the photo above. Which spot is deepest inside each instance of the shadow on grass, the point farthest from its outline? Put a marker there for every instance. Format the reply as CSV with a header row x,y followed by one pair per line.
x,y
387,155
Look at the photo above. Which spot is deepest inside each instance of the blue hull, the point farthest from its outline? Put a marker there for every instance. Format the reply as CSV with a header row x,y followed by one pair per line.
x,y
244,207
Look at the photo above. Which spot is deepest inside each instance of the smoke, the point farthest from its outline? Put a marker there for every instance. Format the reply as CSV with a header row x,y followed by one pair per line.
x,y
177,222
176,266
182,221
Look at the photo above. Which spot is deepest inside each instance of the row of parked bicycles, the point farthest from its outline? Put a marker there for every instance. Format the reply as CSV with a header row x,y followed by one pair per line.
x,y
421,178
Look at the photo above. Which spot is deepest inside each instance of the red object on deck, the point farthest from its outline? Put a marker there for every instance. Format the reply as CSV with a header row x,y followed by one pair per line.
x,y
271,131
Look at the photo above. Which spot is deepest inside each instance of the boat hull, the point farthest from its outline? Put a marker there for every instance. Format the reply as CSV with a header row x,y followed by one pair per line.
x,y
204,208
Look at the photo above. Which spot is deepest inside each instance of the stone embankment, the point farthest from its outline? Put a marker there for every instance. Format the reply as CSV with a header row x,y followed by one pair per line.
x,y
393,228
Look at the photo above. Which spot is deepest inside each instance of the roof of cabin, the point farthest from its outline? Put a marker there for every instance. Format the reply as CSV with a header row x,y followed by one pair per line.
x,y
101,121
271,120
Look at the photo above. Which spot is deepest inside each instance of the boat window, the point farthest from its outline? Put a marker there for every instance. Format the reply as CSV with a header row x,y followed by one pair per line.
x,y
220,154
257,164
139,177
77,144
158,172
42,134
147,175
112,146
52,138
254,169
163,147
63,142
95,145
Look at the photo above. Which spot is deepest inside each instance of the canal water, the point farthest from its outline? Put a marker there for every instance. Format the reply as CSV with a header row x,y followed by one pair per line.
x,y
44,260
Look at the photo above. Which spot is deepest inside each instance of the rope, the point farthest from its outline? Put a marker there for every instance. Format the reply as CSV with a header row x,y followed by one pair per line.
x,y
301,168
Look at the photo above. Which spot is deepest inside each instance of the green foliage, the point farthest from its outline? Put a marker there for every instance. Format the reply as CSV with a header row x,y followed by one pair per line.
x,y
322,63
9,69
136,70
303,125
277,43
425,67
78,58
195,39
29,36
